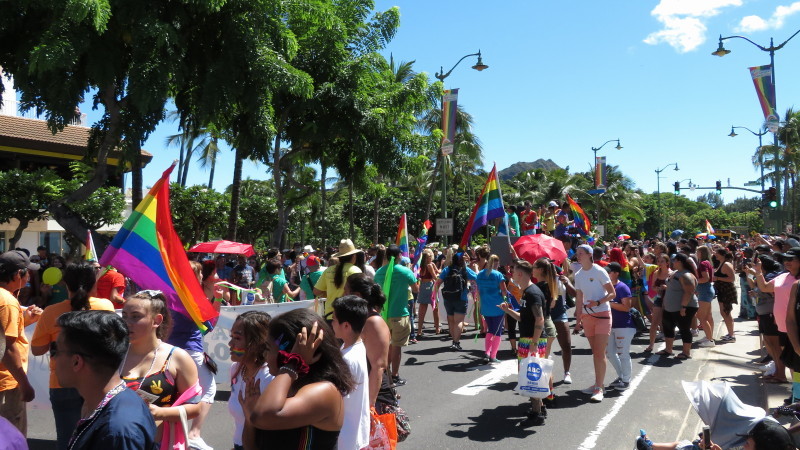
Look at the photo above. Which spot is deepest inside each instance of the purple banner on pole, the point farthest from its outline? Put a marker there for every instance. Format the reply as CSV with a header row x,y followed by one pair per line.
x,y
449,109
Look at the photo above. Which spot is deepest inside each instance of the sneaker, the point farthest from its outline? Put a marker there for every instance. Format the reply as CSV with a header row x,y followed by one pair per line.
x,y
706,343
544,412
589,390
397,381
494,361
768,369
567,378
199,444
695,332
619,385
597,396
536,418
728,338
660,336
642,442
456,346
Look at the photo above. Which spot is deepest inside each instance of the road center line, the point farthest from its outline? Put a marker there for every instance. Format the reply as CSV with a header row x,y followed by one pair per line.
x,y
496,375
591,440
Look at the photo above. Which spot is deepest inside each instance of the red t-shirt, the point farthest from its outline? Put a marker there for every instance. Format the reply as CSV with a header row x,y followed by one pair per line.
x,y
110,280
529,219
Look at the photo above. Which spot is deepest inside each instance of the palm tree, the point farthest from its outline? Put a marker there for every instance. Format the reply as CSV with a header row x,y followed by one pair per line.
x,y
619,201
781,163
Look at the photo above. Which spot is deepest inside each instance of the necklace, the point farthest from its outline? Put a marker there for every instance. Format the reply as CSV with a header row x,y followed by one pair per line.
x,y
152,363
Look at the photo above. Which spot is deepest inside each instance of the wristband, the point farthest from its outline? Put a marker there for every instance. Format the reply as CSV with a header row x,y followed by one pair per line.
x,y
289,371
286,359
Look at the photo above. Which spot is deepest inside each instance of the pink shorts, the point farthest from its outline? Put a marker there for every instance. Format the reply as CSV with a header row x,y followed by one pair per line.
x,y
596,324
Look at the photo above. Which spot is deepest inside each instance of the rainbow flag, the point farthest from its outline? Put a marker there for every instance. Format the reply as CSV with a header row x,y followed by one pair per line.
x,y
580,218
765,89
709,228
148,250
489,206
402,236
91,253
422,241
600,173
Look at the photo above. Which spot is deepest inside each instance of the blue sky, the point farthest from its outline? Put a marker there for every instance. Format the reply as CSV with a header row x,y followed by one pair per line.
x,y
564,77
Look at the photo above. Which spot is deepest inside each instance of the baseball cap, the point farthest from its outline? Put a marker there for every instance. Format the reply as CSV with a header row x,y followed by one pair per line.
x,y
614,267
552,203
770,435
792,253
308,249
16,260
312,261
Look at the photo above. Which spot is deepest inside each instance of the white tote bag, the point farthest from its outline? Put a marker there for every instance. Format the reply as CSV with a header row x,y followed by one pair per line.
x,y
534,375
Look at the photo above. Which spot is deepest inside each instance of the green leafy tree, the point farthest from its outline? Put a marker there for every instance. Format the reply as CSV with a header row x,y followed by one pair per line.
x,y
26,197
103,208
198,212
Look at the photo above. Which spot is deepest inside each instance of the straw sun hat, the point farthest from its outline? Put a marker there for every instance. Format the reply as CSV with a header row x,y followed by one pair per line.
x,y
346,248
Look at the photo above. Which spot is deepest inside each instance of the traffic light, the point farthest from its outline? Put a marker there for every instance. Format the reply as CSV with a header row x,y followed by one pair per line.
x,y
677,188
719,188
772,197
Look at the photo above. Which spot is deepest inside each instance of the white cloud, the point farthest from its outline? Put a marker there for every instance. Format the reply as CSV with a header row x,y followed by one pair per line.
x,y
750,24
684,22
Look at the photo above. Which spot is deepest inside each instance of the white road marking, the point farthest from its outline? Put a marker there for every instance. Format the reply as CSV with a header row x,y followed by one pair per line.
x,y
496,375
591,440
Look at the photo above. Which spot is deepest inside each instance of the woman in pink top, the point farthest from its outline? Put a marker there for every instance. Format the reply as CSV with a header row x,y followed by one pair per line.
x,y
781,285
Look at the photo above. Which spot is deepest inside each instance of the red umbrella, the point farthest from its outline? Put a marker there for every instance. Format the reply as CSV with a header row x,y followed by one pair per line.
x,y
535,246
224,247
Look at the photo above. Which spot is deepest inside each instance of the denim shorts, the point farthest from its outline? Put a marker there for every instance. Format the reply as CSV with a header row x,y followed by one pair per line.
x,y
559,312
457,307
705,292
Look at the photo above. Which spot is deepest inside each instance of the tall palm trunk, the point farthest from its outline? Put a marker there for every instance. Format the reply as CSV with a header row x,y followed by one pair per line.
x,y
136,178
324,194
432,189
211,173
280,207
236,187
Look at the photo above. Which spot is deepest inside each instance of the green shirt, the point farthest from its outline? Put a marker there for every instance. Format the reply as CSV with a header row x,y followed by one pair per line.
x,y
309,281
397,299
278,282
513,223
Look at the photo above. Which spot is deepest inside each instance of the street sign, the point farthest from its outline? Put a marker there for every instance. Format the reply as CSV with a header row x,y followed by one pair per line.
x,y
444,227
752,183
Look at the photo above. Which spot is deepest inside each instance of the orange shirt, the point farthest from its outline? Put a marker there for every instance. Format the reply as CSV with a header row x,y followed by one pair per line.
x,y
47,329
14,324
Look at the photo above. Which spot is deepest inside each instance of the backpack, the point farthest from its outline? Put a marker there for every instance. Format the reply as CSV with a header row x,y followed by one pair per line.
x,y
454,284
638,320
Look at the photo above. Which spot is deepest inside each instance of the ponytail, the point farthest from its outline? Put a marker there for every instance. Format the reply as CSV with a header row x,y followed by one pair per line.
x,y
80,279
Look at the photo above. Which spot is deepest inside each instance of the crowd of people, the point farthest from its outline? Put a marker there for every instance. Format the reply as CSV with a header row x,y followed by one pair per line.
x,y
300,378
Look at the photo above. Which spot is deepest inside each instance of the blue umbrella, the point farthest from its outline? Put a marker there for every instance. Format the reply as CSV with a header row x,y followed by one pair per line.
x,y
676,233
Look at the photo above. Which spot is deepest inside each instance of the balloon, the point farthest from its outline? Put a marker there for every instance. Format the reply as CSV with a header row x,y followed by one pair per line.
x,y
52,276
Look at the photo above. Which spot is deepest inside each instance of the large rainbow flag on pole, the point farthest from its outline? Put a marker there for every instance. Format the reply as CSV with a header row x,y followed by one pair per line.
x,y
709,229
579,217
402,236
148,250
489,206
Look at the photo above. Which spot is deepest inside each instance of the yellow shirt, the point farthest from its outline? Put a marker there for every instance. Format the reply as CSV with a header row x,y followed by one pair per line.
x,y
332,292
47,328
14,323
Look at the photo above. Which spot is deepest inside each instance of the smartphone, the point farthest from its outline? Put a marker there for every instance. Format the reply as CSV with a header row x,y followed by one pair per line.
x,y
706,437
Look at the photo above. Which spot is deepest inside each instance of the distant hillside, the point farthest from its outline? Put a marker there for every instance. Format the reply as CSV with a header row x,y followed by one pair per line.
x,y
511,171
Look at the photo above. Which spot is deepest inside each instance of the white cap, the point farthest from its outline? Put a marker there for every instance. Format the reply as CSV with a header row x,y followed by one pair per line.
x,y
308,249
552,203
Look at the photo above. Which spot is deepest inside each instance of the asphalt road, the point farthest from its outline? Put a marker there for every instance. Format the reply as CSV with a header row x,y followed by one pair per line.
x,y
486,413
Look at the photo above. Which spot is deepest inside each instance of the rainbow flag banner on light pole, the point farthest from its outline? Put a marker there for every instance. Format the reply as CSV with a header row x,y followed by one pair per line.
x,y
765,89
600,172
449,110
488,207
402,236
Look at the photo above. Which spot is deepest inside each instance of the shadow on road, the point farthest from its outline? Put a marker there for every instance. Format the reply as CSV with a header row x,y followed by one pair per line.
x,y
493,425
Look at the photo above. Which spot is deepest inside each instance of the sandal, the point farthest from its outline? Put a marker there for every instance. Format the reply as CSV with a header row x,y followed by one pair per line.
x,y
773,380
663,353
649,349
683,356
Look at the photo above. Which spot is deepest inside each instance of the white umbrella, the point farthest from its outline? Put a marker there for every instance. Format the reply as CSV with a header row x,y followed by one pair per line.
x,y
720,409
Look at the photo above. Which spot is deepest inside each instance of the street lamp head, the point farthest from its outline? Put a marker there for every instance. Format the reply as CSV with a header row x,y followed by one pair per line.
x,y
733,133
721,51
480,66
676,167
618,147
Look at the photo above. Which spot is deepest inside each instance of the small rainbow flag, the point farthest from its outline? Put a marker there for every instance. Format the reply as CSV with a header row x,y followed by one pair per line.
x,y
422,241
580,218
402,236
709,228
148,250
91,253
489,206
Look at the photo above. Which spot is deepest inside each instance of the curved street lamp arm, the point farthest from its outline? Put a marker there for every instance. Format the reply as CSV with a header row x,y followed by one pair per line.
x,y
665,167
604,144
790,38
442,77
748,40
748,129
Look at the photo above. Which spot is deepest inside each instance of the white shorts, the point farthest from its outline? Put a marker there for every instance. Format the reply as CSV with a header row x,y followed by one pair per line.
x,y
207,381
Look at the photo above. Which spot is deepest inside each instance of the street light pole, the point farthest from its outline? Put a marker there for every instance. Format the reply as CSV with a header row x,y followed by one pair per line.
x,y
722,51
594,175
761,165
658,194
441,75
